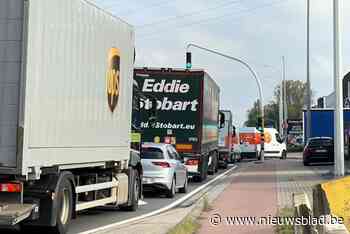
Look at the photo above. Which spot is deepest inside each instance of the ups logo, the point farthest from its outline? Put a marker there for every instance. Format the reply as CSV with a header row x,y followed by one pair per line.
x,y
113,78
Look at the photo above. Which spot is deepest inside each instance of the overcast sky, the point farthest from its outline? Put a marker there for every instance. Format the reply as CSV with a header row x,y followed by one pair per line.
x,y
258,31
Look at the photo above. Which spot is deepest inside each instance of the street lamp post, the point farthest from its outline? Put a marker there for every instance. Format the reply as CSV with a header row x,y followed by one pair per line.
x,y
285,105
308,83
338,114
255,76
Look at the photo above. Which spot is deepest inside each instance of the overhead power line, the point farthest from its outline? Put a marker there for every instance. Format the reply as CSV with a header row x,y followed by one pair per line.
x,y
188,14
138,9
109,4
209,20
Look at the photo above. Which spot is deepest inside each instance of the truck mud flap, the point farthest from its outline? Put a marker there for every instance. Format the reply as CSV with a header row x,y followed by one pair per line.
x,y
12,214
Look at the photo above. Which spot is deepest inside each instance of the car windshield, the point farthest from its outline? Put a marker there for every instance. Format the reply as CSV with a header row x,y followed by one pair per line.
x,y
151,153
320,142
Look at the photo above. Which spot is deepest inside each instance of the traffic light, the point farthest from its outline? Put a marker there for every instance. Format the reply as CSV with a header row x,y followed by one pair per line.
x,y
234,131
188,60
259,124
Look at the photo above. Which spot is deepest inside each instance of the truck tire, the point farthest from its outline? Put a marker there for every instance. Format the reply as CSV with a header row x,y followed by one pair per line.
x,y
135,194
217,163
64,208
284,155
225,166
214,165
203,170
203,175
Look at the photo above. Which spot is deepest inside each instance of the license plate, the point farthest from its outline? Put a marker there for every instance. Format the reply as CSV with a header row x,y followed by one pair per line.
x,y
321,151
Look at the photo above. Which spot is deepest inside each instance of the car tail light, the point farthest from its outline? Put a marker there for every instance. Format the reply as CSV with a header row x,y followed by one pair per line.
x,y
225,156
162,164
167,140
11,188
192,162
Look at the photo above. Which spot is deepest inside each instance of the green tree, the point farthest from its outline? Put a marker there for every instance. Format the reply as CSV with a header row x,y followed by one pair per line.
x,y
296,91
270,112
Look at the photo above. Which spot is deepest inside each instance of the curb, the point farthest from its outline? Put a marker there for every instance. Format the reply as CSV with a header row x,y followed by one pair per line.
x,y
198,207
164,214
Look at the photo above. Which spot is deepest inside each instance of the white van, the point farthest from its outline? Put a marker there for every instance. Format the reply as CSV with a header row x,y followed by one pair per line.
x,y
275,145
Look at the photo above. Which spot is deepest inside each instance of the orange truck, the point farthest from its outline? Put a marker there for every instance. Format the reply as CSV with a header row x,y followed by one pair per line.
x,y
249,142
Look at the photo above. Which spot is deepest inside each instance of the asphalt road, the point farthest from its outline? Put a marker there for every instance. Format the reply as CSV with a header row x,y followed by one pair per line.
x,y
99,217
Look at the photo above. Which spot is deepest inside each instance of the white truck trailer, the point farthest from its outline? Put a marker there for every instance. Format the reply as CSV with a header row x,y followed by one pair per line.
x,y
225,139
66,79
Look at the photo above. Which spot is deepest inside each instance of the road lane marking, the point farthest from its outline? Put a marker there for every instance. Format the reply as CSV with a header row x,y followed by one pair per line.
x,y
142,203
161,210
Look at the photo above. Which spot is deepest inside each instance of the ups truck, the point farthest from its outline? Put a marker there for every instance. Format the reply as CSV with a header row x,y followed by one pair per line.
x,y
66,80
187,111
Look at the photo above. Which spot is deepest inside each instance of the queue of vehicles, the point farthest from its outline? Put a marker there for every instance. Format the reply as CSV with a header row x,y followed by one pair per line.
x,y
250,139
68,109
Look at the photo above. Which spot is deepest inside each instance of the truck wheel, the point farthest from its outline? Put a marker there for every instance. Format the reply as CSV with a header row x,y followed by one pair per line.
x,y
203,176
198,178
214,165
171,192
135,193
284,155
225,165
64,208
203,170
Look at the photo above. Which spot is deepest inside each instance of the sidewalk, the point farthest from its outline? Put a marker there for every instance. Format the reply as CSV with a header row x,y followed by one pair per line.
x,y
259,190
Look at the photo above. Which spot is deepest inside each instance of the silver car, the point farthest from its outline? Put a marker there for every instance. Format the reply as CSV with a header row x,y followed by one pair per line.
x,y
163,169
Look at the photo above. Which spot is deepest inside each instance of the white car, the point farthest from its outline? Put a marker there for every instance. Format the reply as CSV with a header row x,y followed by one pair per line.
x,y
163,169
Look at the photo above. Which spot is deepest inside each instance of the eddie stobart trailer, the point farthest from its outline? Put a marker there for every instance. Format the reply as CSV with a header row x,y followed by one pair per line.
x,y
66,79
187,115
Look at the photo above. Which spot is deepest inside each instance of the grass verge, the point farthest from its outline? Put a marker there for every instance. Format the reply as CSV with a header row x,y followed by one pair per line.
x,y
285,229
206,205
187,226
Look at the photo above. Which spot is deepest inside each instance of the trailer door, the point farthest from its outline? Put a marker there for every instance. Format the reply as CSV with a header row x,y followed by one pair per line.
x,y
11,22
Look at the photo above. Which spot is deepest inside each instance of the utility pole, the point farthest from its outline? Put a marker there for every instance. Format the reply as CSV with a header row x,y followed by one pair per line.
x,y
281,108
285,105
308,83
253,73
338,114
